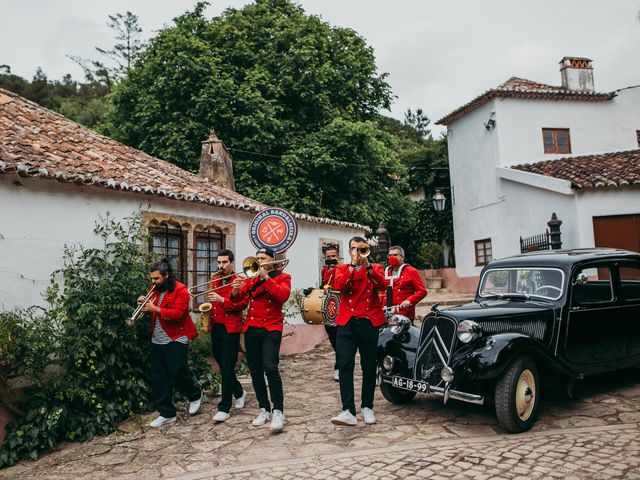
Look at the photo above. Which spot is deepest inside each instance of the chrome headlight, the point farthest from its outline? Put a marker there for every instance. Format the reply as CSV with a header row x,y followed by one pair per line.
x,y
401,324
468,330
447,374
387,363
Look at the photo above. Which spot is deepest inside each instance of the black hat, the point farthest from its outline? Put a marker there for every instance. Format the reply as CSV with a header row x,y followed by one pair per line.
x,y
266,251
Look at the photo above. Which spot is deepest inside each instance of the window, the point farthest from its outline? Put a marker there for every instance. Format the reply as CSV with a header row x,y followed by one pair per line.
x,y
638,136
556,140
592,285
630,282
205,255
172,244
483,251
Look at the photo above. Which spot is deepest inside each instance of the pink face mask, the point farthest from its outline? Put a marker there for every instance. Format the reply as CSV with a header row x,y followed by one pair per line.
x,y
393,261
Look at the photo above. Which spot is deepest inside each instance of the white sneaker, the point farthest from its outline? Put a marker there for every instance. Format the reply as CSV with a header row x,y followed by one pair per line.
x,y
368,416
195,405
240,400
221,416
277,420
336,375
262,418
345,418
160,421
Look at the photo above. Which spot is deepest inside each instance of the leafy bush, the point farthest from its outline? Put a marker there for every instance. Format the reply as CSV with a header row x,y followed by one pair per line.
x,y
100,371
431,254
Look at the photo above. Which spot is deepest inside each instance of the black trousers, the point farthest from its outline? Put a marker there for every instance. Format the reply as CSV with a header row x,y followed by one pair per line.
x,y
169,369
225,350
357,335
263,356
332,331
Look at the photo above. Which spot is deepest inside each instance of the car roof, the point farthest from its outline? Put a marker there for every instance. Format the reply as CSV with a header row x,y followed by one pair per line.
x,y
563,258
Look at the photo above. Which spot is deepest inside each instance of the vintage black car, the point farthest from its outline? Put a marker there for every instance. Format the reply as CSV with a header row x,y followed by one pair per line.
x,y
568,312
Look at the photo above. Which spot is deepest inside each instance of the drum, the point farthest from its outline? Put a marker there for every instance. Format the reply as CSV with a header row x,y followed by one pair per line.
x,y
321,307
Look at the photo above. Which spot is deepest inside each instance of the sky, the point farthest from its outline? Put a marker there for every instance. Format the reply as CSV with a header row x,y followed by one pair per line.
x,y
438,54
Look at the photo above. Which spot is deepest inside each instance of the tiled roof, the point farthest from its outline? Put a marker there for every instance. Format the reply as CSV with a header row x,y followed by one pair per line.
x,y
591,171
36,142
521,88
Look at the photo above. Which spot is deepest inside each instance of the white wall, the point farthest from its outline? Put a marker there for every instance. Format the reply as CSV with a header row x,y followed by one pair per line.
x,y
38,218
489,207
594,127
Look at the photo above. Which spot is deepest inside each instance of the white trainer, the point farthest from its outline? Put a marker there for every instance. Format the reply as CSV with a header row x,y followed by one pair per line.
x,y
336,375
160,421
195,405
277,420
368,416
262,418
345,418
221,416
240,400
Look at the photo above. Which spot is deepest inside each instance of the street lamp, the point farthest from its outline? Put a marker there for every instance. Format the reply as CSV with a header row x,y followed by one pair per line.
x,y
439,201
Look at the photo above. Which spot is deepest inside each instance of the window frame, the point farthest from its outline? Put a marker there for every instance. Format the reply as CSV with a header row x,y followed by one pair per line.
x,y
483,242
198,235
166,231
554,132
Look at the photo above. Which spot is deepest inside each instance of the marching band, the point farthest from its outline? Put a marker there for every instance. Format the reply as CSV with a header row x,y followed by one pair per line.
x,y
351,304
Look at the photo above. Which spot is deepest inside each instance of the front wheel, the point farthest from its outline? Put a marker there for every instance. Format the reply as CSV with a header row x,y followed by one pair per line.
x,y
397,396
517,395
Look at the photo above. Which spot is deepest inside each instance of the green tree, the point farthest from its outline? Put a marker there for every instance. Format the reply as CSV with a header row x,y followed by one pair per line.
x,y
271,80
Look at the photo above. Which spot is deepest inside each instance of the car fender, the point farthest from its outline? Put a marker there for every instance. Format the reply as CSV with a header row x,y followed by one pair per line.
x,y
402,347
489,357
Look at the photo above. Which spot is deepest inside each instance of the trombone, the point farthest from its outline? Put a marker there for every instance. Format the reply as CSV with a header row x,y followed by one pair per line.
x,y
138,313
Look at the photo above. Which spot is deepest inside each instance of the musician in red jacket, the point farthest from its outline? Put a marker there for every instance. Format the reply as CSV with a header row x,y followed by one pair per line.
x,y
405,287
226,319
171,331
327,275
263,325
358,321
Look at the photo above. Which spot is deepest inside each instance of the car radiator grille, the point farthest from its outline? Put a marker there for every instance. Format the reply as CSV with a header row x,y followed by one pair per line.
x,y
437,339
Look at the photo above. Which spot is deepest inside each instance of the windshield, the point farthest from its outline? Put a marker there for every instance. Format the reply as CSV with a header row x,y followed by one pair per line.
x,y
539,282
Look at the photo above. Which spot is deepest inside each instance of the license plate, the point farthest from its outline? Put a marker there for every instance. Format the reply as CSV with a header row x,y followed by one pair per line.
x,y
409,384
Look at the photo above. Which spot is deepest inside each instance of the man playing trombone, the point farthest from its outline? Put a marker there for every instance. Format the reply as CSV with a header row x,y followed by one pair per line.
x,y
266,293
171,331
226,316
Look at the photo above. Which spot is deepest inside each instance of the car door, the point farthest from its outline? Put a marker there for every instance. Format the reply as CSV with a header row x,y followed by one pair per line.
x,y
629,287
595,330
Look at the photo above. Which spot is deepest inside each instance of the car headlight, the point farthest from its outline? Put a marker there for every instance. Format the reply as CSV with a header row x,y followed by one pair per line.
x,y
401,324
387,363
468,330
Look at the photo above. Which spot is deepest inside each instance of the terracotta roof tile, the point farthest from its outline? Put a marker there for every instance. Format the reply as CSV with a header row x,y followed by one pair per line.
x,y
521,88
604,170
37,142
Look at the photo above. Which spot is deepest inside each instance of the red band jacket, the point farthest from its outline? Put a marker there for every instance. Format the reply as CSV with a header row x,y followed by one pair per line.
x,y
229,312
359,294
266,299
174,315
328,275
407,286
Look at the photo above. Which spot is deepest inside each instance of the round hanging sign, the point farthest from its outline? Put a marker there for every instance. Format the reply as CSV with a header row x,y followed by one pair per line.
x,y
274,228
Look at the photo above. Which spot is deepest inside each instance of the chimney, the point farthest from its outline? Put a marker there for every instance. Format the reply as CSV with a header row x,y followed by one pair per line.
x,y
577,74
216,164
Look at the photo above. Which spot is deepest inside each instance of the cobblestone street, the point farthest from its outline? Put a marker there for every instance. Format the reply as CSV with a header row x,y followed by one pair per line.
x,y
595,435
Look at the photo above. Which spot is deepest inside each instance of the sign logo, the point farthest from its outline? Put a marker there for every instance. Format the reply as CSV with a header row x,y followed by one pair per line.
x,y
274,228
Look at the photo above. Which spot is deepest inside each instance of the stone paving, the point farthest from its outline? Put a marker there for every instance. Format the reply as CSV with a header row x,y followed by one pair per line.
x,y
415,435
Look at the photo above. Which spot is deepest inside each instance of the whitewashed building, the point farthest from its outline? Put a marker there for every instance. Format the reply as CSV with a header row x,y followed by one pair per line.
x,y
58,177
523,150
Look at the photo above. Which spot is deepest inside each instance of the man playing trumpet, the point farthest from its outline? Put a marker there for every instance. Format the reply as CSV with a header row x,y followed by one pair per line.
x,y
226,316
358,321
266,293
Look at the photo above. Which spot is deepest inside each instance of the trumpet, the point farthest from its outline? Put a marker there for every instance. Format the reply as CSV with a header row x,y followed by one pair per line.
x,y
138,313
364,250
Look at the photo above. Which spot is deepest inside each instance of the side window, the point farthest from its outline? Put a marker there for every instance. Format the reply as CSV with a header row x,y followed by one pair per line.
x,y
592,285
630,282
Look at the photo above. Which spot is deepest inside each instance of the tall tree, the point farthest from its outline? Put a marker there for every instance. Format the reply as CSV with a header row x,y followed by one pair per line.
x,y
280,87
